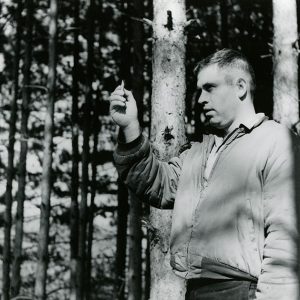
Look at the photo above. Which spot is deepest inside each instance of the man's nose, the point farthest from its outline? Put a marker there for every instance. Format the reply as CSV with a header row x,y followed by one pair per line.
x,y
202,98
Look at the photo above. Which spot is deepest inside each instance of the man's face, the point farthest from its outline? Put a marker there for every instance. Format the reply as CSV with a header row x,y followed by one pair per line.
x,y
217,96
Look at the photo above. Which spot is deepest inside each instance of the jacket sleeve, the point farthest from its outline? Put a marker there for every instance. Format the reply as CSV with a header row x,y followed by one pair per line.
x,y
278,279
152,180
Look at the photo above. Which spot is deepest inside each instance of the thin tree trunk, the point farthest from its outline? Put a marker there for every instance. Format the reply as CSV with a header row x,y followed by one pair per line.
x,y
10,164
135,212
74,211
16,269
224,22
46,184
85,153
167,131
121,240
123,206
285,62
147,271
135,249
92,206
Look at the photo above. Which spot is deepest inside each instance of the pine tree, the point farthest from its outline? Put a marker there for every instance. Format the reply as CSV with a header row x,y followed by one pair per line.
x,y
10,164
43,239
167,129
16,268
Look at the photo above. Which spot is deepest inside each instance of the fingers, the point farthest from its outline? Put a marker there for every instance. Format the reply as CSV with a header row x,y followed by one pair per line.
x,y
118,91
117,102
116,96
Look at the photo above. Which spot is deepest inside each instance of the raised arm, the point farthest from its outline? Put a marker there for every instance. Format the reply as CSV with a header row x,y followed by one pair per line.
x,y
152,180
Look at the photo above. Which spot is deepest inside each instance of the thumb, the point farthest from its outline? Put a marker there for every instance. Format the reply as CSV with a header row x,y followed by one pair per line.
x,y
128,95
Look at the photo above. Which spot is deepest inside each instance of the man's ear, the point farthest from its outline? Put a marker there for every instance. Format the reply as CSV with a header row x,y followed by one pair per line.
x,y
241,86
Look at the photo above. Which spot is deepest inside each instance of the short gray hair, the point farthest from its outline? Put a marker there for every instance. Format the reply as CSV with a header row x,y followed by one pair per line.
x,y
232,59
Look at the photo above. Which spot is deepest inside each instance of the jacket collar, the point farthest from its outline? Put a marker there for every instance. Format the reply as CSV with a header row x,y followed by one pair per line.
x,y
253,121
247,125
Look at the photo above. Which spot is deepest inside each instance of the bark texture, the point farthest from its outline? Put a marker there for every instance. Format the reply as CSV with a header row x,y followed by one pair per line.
x,y
285,62
167,130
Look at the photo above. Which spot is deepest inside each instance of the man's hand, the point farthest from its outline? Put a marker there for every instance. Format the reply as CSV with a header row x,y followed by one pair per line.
x,y
123,111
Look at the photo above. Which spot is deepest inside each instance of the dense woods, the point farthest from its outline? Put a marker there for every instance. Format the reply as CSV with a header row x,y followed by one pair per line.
x,y
69,228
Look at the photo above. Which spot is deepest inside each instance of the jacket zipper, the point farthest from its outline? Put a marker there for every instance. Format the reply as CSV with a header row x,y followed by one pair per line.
x,y
224,145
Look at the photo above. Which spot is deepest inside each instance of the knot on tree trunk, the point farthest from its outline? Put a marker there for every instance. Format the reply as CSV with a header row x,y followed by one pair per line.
x,y
167,134
169,24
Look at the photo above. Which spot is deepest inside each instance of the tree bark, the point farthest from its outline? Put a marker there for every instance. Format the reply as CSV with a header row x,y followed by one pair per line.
x,y
285,62
10,164
167,130
16,268
46,184
86,153
74,210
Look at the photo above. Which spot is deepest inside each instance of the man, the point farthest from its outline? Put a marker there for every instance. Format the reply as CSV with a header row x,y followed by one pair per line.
x,y
233,226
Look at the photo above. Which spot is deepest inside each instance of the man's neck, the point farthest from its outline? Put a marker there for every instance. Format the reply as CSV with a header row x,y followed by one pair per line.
x,y
246,113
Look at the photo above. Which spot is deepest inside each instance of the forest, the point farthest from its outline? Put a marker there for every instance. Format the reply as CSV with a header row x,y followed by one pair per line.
x,y
69,228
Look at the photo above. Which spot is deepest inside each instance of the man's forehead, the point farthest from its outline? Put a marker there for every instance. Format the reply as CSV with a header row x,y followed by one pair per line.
x,y
211,73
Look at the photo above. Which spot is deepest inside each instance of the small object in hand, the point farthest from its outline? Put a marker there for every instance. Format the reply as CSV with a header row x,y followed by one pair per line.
x,y
122,86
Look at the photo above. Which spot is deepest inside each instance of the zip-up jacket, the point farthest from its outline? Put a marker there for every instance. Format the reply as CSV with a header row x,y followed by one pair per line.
x,y
240,221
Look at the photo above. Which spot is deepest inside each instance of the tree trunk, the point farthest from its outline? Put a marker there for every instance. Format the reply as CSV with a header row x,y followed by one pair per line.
x,y
96,130
285,62
74,211
122,189
224,22
167,130
135,249
10,165
43,239
86,152
16,268
147,271
121,240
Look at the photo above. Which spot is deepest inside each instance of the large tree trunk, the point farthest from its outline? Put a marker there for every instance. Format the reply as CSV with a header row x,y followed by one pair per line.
x,y
86,152
10,163
43,239
167,130
16,268
74,211
285,61
135,212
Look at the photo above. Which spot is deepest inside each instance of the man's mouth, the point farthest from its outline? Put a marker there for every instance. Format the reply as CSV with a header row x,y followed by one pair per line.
x,y
207,111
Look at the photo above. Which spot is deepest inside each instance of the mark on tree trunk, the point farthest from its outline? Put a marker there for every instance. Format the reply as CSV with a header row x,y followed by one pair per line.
x,y
167,134
169,24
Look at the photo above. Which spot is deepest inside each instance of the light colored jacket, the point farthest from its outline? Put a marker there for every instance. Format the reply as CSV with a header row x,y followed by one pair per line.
x,y
241,221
